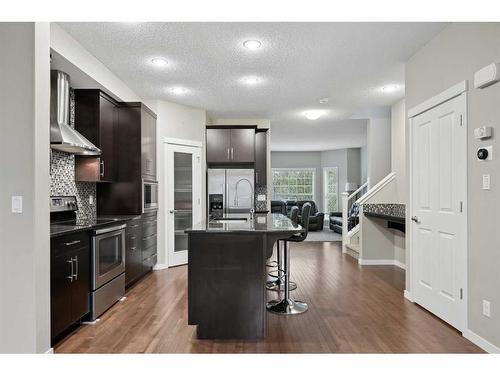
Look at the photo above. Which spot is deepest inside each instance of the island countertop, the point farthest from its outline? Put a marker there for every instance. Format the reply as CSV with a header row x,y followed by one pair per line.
x,y
267,223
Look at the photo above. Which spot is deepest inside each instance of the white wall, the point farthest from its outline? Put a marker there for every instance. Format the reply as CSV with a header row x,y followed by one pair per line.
x,y
452,56
176,121
24,170
398,149
378,149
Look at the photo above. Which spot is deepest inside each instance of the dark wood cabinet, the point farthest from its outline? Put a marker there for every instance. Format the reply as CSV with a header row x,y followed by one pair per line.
x,y
95,118
227,145
261,158
148,149
149,242
69,281
133,251
135,152
218,145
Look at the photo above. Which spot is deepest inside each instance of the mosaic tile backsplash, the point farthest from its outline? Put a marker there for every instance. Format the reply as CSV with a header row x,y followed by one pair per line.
x,y
260,206
62,177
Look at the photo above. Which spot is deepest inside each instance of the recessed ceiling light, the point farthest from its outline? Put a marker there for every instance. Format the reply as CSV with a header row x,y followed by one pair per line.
x,y
389,89
324,100
178,90
251,80
313,114
159,62
252,44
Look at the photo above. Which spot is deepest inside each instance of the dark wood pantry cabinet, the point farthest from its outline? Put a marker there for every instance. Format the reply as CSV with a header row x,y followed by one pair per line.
x,y
261,158
96,118
230,145
69,281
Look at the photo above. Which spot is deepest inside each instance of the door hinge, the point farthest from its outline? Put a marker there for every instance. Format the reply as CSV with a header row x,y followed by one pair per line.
x,y
461,293
461,206
461,120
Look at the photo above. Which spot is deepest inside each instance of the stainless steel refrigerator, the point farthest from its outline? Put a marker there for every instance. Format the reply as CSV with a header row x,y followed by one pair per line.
x,y
234,188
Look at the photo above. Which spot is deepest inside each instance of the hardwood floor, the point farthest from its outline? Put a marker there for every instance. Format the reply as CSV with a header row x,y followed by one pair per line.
x,y
352,309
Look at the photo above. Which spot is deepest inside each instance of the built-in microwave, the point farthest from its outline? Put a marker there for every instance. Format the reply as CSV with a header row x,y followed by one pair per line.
x,y
149,195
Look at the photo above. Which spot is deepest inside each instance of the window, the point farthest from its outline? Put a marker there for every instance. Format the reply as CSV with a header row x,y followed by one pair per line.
x,y
330,189
293,183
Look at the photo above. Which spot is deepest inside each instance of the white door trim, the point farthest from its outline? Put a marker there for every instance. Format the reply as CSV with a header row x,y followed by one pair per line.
x,y
182,142
450,93
440,98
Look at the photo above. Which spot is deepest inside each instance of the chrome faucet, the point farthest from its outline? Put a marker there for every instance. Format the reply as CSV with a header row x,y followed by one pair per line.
x,y
236,201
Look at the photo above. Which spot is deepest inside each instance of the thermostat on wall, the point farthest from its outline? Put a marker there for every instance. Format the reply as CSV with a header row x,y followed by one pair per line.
x,y
487,76
482,132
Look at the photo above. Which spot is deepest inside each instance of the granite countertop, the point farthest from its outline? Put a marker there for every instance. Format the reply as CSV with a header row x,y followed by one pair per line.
x,y
262,223
385,210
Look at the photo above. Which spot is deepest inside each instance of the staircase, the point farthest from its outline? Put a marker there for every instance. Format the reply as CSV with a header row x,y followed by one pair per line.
x,y
350,233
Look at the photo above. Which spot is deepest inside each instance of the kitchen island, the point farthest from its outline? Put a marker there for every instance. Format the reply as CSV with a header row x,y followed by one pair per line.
x,y
227,273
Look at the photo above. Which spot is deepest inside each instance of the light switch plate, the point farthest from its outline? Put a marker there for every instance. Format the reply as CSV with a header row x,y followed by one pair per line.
x,y
486,308
486,181
17,204
261,197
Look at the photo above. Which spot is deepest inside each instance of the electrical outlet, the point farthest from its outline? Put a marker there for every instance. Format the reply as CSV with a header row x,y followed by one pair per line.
x,y
486,308
17,204
91,199
486,182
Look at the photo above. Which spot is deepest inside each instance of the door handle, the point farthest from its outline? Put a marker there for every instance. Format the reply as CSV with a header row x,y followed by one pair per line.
x,y
101,172
415,219
70,277
75,275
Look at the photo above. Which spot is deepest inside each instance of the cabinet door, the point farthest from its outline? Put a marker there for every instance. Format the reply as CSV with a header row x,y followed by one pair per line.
x,y
133,253
218,145
60,293
260,159
80,287
242,145
106,135
148,143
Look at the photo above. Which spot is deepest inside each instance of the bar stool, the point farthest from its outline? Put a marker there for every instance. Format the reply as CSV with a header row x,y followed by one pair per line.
x,y
288,306
277,207
278,284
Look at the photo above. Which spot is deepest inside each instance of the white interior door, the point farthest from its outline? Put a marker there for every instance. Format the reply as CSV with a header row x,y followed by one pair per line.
x,y
438,208
183,198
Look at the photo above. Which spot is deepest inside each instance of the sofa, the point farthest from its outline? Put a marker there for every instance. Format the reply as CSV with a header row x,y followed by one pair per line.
x,y
278,207
316,219
335,219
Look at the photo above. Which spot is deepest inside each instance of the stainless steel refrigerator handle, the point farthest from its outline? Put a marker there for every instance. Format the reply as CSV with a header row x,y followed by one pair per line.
x,y
110,229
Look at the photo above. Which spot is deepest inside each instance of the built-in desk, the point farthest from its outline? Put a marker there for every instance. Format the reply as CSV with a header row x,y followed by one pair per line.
x,y
393,213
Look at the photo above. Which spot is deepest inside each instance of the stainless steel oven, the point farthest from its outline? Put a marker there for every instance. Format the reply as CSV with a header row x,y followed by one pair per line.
x,y
108,267
149,195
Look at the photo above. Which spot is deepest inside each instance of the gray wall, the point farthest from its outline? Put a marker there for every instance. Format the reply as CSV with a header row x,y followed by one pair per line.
x,y
452,56
378,146
24,170
398,148
364,164
348,162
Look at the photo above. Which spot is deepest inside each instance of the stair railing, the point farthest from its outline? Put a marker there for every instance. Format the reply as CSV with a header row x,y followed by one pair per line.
x,y
347,201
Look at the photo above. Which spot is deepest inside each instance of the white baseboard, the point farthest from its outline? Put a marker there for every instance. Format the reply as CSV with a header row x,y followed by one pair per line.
x,y
408,296
160,266
50,351
381,262
479,341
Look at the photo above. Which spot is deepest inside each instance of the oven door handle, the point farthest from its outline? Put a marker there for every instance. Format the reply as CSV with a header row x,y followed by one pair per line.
x,y
110,229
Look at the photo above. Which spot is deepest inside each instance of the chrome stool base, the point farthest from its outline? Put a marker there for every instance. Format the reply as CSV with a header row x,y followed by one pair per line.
x,y
287,307
279,285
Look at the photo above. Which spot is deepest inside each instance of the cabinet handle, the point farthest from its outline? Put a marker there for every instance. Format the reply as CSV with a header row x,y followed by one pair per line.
x,y
72,243
228,154
101,172
70,277
232,153
75,275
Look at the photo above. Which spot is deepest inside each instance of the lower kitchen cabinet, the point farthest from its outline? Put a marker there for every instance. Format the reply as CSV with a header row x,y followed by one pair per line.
x,y
149,246
69,281
133,253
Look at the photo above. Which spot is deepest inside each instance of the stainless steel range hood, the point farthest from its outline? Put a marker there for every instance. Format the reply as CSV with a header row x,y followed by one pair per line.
x,y
62,136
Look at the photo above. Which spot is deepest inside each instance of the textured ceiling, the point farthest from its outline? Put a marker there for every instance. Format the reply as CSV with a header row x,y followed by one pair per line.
x,y
299,63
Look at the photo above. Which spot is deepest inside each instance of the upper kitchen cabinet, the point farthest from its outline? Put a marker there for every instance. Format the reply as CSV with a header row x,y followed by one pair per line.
x,y
261,158
228,145
148,144
95,118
